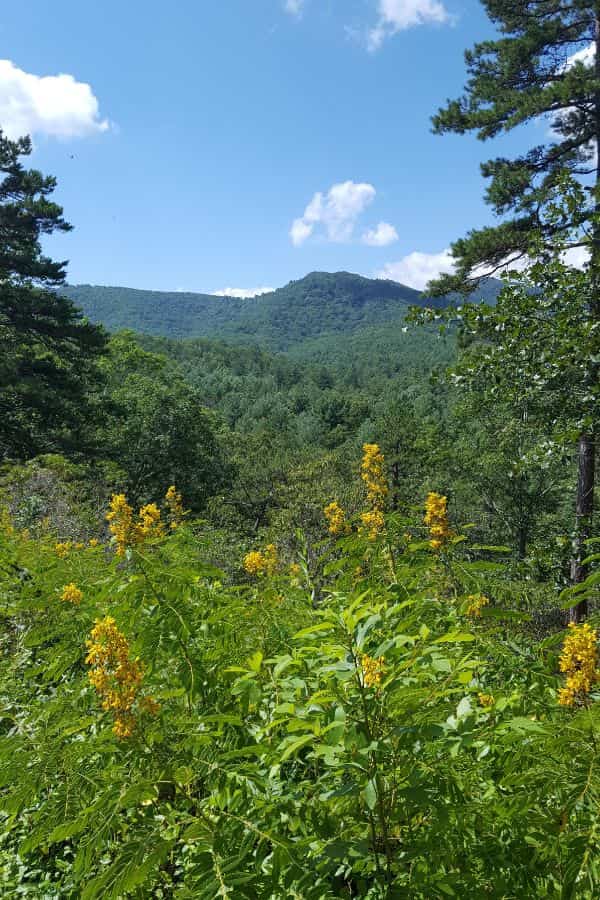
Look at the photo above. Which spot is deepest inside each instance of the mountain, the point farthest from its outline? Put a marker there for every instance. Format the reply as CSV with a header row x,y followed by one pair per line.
x,y
320,304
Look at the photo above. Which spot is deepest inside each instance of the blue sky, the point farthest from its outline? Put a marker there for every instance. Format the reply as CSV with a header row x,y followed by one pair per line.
x,y
190,138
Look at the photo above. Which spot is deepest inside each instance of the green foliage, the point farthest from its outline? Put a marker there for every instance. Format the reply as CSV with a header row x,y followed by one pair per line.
x,y
530,72
48,353
526,374
347,729
321,303
160,431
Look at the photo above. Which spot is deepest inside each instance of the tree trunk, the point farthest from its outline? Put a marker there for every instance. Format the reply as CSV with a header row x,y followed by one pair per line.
x,y
395,472
584,506
583,518
522,542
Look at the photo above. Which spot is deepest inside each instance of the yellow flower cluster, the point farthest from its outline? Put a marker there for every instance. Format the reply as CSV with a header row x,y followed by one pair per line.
x,y
175,508
116,677
126,531
262,562
578,661
6,524
372,670
71,594
475,603
486,700
436,519
63,548
149,524
120,519
336,518
373,522
372,473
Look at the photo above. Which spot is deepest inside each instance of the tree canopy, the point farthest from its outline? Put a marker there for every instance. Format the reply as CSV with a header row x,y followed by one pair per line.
x,y
544,65
48,352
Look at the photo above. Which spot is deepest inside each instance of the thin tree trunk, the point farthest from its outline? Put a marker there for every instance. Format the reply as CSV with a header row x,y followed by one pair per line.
x,y
395,472
521,542
586,456
583,518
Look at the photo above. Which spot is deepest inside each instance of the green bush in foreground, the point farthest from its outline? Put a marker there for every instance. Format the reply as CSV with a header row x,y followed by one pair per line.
x,y
370,723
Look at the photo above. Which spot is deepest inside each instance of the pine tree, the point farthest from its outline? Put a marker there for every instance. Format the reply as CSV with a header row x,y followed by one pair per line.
x,y
544,65
48,352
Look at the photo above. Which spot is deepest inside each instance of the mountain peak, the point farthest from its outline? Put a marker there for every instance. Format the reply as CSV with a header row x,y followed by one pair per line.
x,y
320,303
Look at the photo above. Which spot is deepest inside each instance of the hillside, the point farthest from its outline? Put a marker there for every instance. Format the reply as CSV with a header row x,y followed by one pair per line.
x,y
317,305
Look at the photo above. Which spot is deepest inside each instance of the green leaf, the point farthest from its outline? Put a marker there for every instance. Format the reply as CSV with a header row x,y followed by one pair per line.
x,y
296,745
455,637
314,629
255,661
369,794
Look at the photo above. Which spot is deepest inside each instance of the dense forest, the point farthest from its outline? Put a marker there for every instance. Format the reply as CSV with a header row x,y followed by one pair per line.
x,y
322,303
299,593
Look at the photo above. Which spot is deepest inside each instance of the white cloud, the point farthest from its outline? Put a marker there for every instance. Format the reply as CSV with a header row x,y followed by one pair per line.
x,y
336,211
294,7
243,293
417,269
300,231
578,257
398,15
586,55
54,105
380,236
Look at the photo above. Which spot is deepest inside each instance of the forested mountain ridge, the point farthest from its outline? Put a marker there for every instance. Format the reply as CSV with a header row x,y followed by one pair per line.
x,y
321,303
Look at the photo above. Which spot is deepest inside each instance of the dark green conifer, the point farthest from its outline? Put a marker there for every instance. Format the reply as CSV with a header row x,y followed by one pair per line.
x,y
48,352
544,65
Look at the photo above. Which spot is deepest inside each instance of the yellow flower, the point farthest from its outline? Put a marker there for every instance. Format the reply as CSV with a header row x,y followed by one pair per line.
x,y
254,562
127,532
372,670
124,726
336,518
149,525
436,519
120,519
72,594
486,700
373,522
116,677
6,524
475,603
578,661
63,548
175,508
372,473
262,562
93,542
